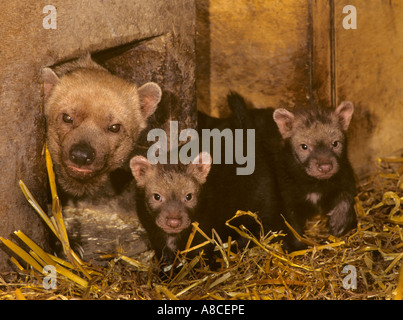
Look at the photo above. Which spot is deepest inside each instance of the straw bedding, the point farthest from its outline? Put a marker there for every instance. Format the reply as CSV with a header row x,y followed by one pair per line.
x,y
364,264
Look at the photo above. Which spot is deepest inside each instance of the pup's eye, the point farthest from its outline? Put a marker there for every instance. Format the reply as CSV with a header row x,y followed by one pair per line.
x,y
335,144
188,197
114,128
156,197
304,146
66,118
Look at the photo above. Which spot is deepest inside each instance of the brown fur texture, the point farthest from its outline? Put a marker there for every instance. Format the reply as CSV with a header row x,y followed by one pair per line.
x,y
93,121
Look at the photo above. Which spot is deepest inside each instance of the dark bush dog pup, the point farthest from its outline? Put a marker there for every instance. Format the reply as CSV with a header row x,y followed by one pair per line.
x,y
167,197
93,121
225,192
315,174
307,149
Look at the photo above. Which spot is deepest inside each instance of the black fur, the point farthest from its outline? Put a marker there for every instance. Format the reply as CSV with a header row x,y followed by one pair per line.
x,y
225,192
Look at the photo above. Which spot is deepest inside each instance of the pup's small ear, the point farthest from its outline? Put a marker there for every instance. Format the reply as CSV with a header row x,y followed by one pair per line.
x,y
200,166
140,166
150,95
284,120
50,79
345,112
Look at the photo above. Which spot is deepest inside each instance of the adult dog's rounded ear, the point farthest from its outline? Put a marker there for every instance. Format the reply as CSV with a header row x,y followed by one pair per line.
x,y
150,95
50,79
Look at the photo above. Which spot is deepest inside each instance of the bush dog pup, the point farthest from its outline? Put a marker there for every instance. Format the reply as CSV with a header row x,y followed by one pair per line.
x,y
307,149
167,197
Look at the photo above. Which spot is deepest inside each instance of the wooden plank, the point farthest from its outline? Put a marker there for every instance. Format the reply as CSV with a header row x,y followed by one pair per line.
x,y
259,48
369,73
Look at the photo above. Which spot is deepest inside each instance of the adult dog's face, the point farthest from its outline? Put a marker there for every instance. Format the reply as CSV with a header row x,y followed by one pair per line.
x,y
93,121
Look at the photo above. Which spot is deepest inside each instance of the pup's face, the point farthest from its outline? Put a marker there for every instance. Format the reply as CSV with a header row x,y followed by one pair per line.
x,y
172,199
317,138
171,191
318,149
93,121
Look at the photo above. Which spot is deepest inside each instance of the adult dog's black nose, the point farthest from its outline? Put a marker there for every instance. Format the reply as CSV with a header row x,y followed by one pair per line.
x,y
82,154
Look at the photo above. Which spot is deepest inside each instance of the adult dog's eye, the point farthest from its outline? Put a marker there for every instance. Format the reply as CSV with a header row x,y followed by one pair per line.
x,y
66,118
188,197
335,144
156,197
304,146
114,128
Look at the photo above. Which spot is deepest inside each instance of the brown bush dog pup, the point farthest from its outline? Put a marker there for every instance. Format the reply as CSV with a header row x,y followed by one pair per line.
x,y
307,149
167,197
93,121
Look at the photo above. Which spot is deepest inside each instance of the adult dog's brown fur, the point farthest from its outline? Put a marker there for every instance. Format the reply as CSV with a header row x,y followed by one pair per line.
x,y
93,121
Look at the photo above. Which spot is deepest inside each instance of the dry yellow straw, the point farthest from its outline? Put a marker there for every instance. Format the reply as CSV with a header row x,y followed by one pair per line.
x,y
399,290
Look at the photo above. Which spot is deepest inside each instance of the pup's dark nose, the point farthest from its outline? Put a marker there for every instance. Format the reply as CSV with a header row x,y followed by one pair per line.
x,y
82,154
